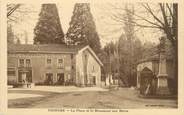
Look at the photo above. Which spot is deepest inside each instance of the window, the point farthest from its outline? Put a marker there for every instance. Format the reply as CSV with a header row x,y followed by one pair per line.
x,y
24,62
48,61
21,62
93,69
60,63
28,62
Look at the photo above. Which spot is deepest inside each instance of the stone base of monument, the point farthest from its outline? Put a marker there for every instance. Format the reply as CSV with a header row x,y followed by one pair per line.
x,y
163,91
162,88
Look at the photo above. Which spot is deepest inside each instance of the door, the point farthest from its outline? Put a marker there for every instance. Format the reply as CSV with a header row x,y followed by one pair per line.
x,y
22,77
146,81
29,76
49,79
94,80
60,79
25,76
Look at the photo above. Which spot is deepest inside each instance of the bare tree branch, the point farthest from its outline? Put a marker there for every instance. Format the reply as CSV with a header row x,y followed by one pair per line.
x,y
167,27
12,9
148,8
170,11
141,18
167,23
122,20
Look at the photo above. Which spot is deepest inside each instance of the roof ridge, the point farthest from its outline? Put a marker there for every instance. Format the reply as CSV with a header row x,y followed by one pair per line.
x,y
44,47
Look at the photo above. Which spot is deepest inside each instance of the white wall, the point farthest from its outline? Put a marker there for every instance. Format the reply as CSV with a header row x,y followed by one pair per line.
x,y
90,64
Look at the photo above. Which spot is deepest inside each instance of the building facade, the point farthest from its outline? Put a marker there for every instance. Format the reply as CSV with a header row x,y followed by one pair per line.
x,y
53,65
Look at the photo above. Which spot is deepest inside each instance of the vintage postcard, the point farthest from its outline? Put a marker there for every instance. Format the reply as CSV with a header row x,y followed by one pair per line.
x,y
72,57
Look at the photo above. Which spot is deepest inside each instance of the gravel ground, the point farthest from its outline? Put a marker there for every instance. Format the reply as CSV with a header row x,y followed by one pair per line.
x,y
72,97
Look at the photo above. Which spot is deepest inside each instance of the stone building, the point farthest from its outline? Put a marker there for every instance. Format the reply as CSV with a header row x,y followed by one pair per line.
x,y
53,64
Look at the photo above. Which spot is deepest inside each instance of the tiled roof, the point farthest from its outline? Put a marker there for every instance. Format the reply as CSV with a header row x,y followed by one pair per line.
x,y
59,48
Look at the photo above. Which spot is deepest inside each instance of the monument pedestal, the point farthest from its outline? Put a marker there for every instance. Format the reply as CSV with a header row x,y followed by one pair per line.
x,y
162,87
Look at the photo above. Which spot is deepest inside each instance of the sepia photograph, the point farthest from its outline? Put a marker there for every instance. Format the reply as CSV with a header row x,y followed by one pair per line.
x,y
109,55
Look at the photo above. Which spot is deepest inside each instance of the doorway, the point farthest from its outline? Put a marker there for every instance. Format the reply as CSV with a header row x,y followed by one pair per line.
x,y
60,79
94,80
25,76
147,82
49,79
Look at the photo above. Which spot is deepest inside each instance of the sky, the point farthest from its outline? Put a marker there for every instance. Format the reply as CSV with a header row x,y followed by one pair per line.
x,y
107,28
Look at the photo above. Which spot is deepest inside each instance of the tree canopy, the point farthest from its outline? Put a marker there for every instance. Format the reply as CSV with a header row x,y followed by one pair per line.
x,y
48,28
82,28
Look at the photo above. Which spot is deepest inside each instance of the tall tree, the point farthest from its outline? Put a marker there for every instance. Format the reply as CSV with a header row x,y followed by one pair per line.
x,y
82,28
13,12
10,34
108,58
127,48
129,30
124,59
162,17
48,29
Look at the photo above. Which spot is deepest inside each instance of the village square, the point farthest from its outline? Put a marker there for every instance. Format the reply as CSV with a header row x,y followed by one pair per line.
x,y
84,64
